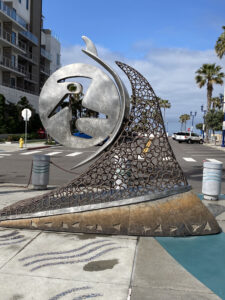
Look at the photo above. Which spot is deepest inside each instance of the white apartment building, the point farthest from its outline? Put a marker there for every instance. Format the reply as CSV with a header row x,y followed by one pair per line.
x,y
28,53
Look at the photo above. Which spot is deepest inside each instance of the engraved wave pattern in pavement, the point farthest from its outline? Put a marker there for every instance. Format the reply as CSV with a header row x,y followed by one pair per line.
x,y
85,253
13,237
85,295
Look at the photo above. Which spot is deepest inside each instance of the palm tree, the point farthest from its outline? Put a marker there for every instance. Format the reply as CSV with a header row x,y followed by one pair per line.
x,y
164,104
216,103
209,74
220,44
183,119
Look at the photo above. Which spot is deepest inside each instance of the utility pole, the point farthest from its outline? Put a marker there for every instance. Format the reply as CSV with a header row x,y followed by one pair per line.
x,y
223,128
193,115
203,126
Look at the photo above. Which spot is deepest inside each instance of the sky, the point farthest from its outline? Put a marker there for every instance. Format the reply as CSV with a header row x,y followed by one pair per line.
x,y
165,40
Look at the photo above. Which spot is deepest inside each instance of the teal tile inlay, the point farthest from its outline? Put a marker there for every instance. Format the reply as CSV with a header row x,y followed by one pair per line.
x,y
202,256
221,197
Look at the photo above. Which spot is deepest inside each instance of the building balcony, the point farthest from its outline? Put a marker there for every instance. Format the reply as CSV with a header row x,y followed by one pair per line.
x,y
7,64
30,57
9,14
7,39
31,78
18,88
46,54
45,70
30,36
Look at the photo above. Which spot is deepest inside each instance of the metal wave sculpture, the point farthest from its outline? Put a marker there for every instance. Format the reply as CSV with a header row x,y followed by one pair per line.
x,y
135,186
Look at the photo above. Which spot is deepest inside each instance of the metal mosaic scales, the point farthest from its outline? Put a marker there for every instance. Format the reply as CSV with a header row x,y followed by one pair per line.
x,y
138,166
134,186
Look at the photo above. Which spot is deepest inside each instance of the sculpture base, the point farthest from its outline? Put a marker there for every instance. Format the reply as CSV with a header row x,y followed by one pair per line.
x,y
180,215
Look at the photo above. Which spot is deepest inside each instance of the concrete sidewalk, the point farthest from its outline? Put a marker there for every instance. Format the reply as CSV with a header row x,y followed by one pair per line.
x,y
46,265
215,146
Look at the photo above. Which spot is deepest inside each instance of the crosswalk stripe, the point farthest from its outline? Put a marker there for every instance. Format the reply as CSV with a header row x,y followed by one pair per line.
x,y
30,152
74,154
53,153
5,154
189,159
214,160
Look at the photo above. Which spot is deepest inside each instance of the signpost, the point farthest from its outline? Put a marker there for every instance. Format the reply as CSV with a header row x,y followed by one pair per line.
x,y
26,114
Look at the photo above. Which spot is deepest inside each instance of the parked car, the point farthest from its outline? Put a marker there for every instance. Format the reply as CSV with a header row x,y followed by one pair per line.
x,y
194,138
174,135
180,136
188,137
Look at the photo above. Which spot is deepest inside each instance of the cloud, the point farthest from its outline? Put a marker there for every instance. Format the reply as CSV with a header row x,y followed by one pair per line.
x,y
170,71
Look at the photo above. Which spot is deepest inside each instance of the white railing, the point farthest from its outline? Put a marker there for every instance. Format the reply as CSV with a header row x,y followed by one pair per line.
x,y
5,35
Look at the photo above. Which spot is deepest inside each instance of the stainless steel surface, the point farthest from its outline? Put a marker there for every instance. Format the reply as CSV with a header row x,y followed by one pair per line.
x,y
90,45
102,97
149,197
140,162
40,171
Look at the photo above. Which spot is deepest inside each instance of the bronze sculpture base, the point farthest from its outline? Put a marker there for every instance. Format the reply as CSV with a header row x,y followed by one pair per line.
x,y
180,215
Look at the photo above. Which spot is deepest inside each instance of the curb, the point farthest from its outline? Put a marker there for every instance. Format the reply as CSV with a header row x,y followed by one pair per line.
x,y
39,147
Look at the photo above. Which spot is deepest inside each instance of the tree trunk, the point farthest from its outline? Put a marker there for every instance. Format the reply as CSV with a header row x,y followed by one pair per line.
x,y
209,100
209,95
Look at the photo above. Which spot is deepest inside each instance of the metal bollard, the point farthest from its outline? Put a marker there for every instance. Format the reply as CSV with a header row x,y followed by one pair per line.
x,y
211,184
40,171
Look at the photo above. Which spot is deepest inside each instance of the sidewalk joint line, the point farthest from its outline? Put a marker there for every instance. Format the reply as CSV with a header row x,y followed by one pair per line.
x,y
20,250
133,269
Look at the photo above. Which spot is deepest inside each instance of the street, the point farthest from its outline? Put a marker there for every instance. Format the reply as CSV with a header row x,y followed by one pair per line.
x,y
16,166
191,157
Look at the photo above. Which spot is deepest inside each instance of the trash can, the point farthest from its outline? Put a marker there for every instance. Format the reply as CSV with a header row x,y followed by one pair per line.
x,y
40,171
211,184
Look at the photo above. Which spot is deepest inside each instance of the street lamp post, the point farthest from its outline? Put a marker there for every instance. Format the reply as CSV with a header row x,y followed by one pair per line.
x,y
223,128
203,126
193,115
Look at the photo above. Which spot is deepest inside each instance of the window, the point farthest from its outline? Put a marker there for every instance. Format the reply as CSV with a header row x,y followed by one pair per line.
x,y
13,60
13,38
27,4
14,13
12,82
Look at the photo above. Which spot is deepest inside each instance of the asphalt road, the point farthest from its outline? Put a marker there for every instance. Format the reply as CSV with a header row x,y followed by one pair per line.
x,y
15,167
191,157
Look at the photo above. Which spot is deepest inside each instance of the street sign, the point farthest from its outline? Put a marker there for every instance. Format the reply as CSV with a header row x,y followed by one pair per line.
x,y
26,114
